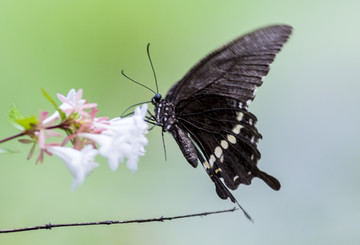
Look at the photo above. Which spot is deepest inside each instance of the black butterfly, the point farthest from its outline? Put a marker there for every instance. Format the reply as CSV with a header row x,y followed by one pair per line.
x,y
207,110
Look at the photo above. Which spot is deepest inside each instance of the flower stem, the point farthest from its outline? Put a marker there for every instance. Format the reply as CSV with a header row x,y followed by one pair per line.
x,y
12,137
26,132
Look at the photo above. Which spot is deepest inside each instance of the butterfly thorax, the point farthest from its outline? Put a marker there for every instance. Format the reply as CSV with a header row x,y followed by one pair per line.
x,y
165,114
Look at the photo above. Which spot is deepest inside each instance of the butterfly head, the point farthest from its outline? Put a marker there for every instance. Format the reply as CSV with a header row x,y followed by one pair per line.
x,y
156,99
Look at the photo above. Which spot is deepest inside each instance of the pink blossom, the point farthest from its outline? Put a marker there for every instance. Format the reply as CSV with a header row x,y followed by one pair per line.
x,y
43,134
118,139
73,103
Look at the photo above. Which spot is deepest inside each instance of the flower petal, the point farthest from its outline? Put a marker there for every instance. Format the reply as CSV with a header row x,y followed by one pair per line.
x,y
122,138
79,163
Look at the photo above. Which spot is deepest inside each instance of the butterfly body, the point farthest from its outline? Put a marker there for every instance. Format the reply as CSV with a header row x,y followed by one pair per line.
x,y
207,110
164,114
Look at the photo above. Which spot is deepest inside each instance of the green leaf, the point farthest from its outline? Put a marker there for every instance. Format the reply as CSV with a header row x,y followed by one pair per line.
x,y
62,114
5,151
27,122
48,97
14,113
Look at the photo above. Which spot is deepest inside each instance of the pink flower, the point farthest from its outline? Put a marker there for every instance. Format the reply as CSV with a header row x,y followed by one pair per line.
x,y
72,103
117,139
42,135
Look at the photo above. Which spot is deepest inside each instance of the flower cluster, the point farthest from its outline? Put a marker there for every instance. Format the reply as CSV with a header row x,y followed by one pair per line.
x,y
116,139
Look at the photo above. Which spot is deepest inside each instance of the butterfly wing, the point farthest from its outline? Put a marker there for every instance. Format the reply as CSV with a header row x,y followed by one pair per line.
x,y
210,104
226,137
235,69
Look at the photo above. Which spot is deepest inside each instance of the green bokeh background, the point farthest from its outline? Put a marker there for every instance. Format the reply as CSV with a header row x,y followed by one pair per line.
x,y
308,111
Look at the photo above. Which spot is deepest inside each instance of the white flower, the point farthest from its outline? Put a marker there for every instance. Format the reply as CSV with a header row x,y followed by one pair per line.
x,y
123,138
108,148
80,163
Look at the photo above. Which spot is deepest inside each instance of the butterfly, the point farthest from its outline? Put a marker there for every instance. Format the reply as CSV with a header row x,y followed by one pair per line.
x,y
207,110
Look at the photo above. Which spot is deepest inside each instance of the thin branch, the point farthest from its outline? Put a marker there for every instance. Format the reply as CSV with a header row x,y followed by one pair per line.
x,y
110,222
31,131
12,137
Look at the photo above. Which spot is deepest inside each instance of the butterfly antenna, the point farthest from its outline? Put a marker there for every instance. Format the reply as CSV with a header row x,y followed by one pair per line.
x,y
122,72
152,67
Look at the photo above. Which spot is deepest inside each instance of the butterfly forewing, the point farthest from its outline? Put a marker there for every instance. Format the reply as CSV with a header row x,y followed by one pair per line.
x,y
244,61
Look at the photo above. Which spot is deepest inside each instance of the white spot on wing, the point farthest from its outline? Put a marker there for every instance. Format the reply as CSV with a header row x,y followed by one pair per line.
x,y
222,158
237,128
224,144
235,178
252,140
250,121
212,160
239,116
218,152
231,139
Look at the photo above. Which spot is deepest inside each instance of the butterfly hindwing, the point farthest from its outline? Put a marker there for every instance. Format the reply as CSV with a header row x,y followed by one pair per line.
x,y
227,137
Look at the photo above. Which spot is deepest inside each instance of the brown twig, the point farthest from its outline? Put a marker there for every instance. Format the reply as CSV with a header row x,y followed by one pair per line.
x,y
50,226
12,137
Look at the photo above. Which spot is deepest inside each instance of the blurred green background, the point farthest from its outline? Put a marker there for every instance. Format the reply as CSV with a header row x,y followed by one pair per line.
x,y
308,111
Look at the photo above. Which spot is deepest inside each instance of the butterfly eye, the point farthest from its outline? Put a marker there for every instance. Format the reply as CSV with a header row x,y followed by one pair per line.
x,y
156,99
